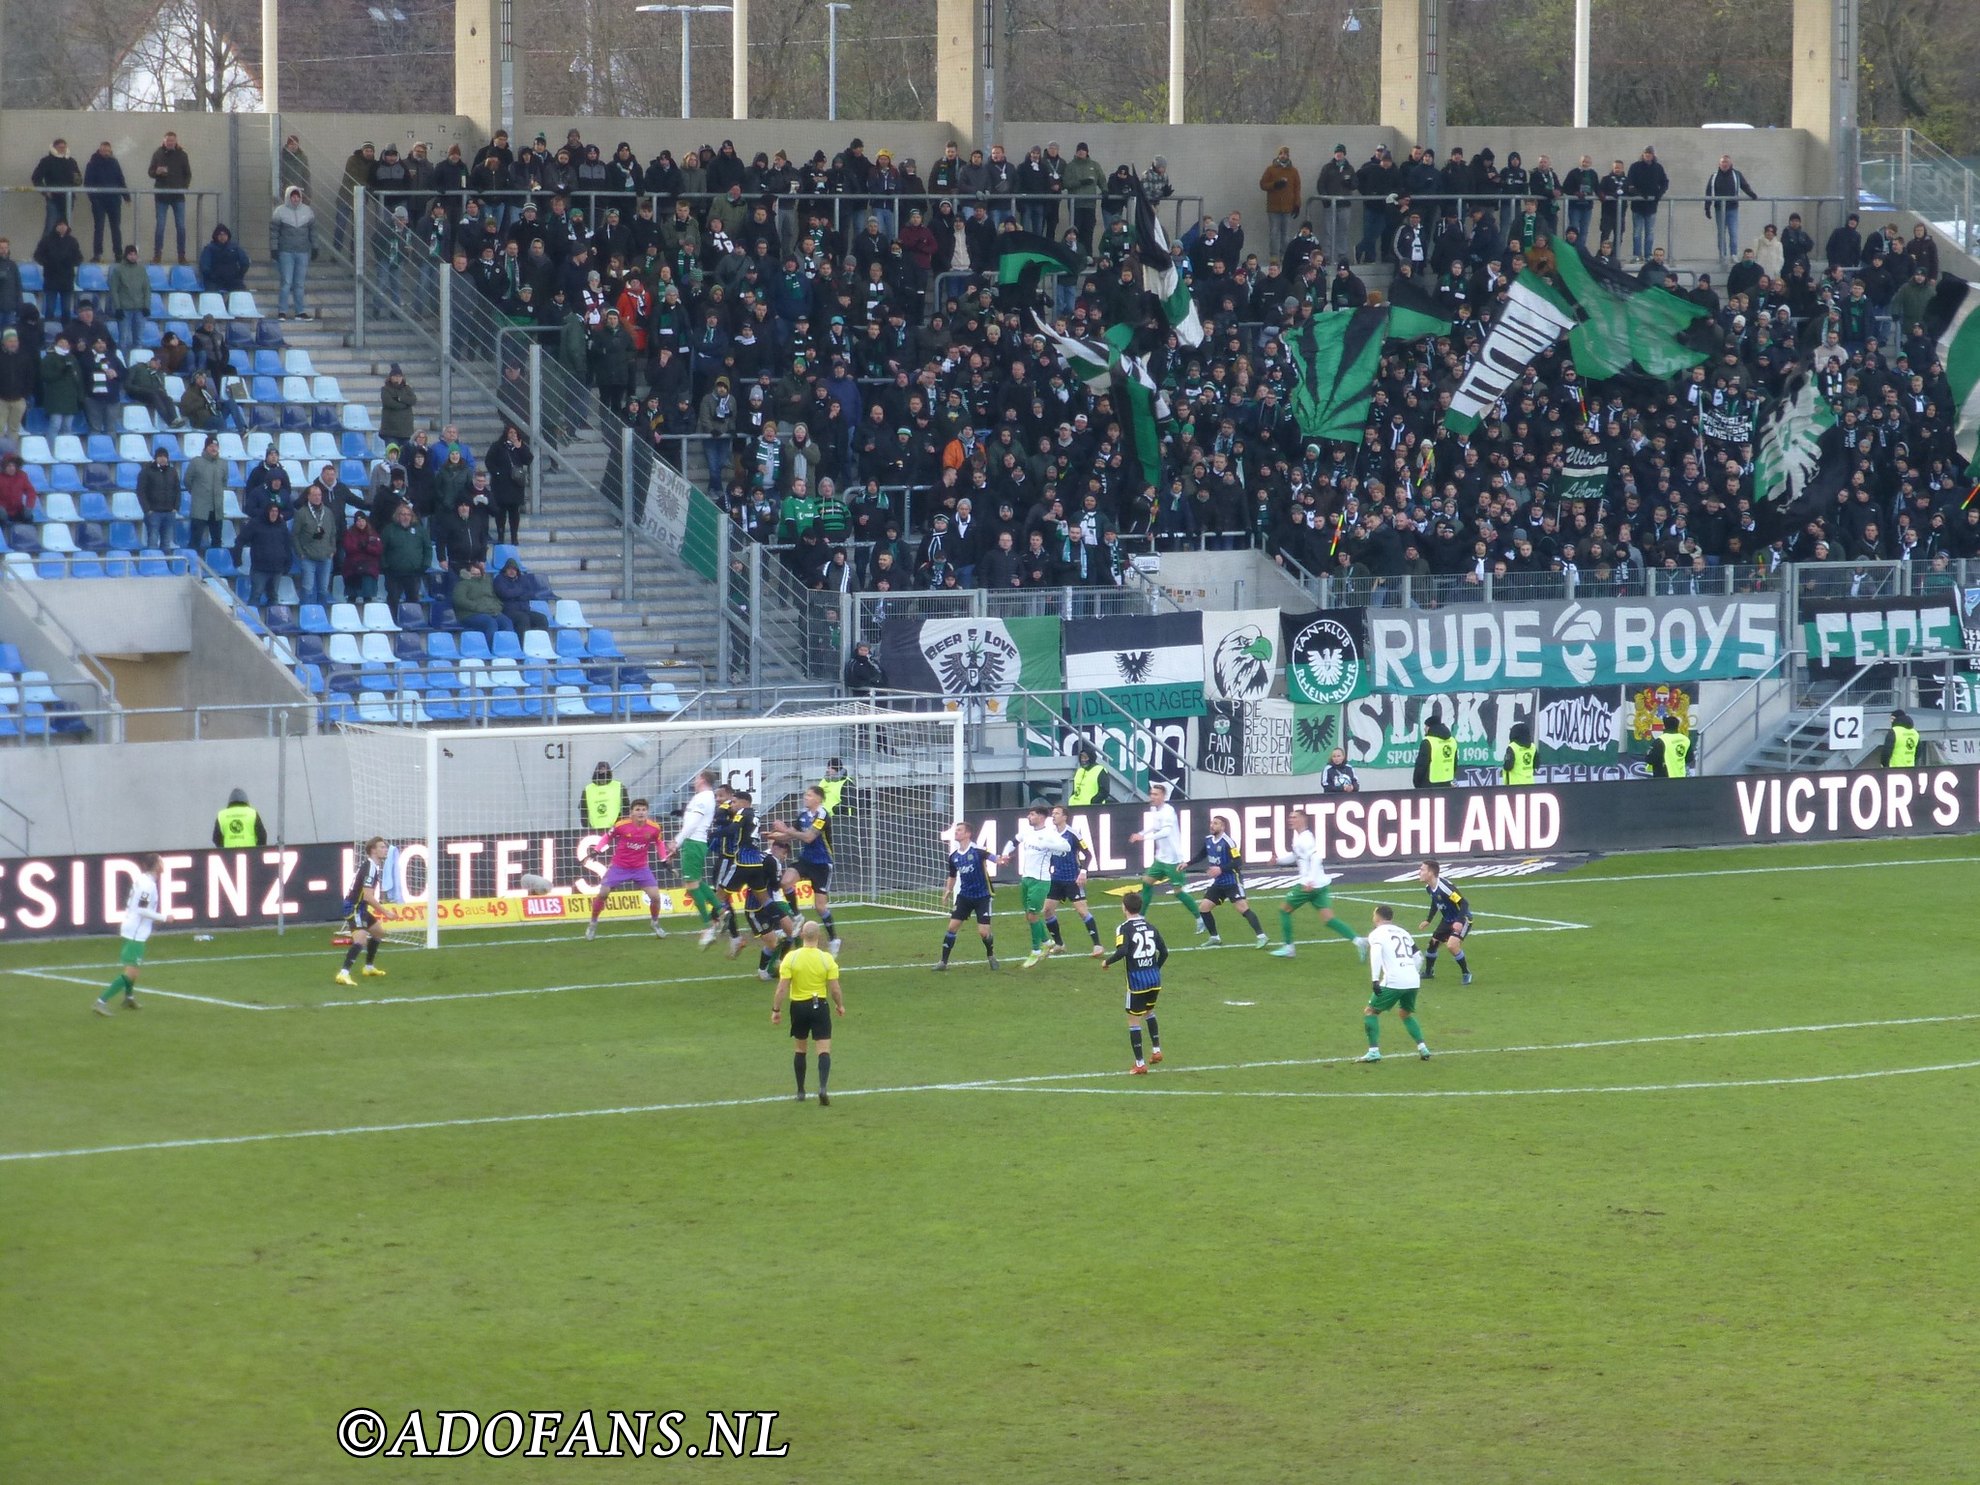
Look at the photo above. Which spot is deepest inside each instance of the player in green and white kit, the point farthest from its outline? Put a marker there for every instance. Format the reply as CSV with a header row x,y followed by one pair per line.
x,y
141,910
1393,967
1313,889
693,841
1036,844
1164,836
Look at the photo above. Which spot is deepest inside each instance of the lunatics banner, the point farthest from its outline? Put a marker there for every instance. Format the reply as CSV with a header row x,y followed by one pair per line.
x,y
977,661
1149,666
1557,645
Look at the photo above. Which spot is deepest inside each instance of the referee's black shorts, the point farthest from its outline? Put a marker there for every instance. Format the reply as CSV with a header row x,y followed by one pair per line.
x,y
812,1018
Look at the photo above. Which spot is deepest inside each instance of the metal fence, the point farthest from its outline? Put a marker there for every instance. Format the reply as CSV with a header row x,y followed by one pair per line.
x,y
108,212
1687,228
1902,170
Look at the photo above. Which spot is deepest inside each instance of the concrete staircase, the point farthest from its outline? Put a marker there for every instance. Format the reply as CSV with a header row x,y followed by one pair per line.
x,y
670,616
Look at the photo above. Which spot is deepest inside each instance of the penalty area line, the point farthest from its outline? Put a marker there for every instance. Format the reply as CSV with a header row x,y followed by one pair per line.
x,y
1151,1092
1054,1083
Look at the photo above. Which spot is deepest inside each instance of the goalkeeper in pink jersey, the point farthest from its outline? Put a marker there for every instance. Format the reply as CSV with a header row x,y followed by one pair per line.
x,y
632,843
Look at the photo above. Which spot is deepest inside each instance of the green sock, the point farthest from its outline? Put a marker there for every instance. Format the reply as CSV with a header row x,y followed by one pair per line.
x,y
1335,925
1188,902
1415,1031
1373,1026
699,897
1037,936
1285,926
121,983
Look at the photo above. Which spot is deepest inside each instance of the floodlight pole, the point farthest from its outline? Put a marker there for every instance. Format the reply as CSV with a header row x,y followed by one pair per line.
x,y
832,57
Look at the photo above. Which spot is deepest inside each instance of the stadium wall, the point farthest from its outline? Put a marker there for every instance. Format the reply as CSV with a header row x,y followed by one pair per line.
x,y
51,894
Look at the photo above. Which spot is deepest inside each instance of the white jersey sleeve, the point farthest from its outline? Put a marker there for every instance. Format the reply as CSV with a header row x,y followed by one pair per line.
x,y
698,816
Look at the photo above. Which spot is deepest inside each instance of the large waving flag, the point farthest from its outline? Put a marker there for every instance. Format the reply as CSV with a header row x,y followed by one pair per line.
x,y
1161,275
1103,368
1337,355
1023,256
1799,457
1952,319
1614,325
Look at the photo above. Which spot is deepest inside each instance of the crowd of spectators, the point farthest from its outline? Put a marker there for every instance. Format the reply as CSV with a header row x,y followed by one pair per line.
x,y
822,342
889,427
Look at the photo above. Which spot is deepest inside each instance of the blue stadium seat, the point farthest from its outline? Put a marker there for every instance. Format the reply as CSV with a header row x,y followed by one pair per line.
x,y
93,278
150,336
101,448
64,477
570,644
311,676
440,645
353,472
501,554
295,419
354,446
222,561
92,536
183,280
263,418
412,618
10,658
505,646
281,619
269,334
600,645
159,280
124,536
410,646
474,646
599,701
265,388
85,567
309,650
120,564
314,618
31,280
240,335
325,419
94,507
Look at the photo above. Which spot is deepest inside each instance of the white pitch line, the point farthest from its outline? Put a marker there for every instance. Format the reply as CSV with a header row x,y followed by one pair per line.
x,y
233,1005
1152,1092
729,977
1032,1081
1569,879
1557,924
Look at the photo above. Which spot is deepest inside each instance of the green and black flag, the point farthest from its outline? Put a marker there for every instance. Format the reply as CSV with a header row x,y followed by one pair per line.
x,y
1161,276
1800,458
1952,320
1022,257
1106,370
1336,356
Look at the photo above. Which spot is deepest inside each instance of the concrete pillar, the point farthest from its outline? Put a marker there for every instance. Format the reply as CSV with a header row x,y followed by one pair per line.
x,y
1178,63
488,86
963,77
739,60
1412,101
1822,89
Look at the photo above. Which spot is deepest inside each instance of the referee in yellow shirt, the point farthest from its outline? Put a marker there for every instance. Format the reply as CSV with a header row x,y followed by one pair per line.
x,y
808,975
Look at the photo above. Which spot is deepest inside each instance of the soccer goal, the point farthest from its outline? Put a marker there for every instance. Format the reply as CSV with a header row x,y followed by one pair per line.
x,y
494,807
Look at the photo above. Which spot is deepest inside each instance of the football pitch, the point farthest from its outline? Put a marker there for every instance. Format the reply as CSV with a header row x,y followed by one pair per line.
x,y
1684,1195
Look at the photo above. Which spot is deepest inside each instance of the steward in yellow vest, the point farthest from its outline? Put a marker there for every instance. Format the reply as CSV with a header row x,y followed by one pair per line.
x,y
1520,755
1900,749
1436,759
238,827
605,802
1670,754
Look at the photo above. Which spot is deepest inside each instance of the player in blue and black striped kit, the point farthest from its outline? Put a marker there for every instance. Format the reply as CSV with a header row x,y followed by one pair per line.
x,y
1226,882
1141,946
1453,911
1069,882
969,867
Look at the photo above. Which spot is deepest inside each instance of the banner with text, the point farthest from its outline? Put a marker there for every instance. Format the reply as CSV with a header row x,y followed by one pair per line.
x,y
974,662
1147,666
1326,655
1385,731
1841,634
1559,645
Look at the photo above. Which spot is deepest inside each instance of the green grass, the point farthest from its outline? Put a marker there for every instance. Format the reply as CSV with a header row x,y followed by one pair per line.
x,y
1077,1278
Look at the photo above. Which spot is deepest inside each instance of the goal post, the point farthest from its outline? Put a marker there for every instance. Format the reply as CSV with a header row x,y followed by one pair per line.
x,y
470,813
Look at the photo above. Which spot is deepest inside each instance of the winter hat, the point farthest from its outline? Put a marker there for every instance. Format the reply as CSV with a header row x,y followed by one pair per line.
x,y
1340,149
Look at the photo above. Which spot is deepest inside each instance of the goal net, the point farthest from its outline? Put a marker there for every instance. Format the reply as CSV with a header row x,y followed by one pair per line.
x,y
497,809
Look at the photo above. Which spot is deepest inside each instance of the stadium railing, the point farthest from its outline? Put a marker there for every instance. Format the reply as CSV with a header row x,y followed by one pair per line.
x,y
202,216
1682,228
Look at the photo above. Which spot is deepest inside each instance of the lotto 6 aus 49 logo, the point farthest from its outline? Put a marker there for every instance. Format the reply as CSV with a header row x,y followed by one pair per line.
x,y
1325,663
